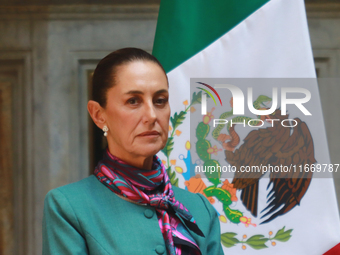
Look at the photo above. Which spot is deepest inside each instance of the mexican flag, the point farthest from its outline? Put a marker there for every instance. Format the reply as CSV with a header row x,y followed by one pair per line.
x,y
246,39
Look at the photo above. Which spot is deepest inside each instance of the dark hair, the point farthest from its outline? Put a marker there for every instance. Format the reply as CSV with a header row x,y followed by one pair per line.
x,y
105,74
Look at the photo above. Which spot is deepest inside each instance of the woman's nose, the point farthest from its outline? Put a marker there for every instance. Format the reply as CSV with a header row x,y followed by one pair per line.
x,y
149,113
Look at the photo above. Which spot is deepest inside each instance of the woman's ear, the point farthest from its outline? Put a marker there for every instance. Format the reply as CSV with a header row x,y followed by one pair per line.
x,y
97,113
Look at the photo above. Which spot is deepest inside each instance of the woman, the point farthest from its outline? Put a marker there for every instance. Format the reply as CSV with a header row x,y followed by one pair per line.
x,y
129,206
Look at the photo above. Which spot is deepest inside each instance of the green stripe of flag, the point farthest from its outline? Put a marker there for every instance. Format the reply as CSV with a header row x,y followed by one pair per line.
x,y
186,27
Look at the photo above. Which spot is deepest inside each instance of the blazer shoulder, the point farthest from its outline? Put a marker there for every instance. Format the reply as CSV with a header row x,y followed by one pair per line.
x,y
78,189
179,192
187,197
195,200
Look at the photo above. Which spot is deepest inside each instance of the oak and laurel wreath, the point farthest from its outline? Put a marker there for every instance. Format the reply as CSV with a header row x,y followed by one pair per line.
x,y
177,120
228,239
256,242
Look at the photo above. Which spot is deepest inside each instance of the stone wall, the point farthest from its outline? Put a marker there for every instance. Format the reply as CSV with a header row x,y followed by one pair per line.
x,y
76,2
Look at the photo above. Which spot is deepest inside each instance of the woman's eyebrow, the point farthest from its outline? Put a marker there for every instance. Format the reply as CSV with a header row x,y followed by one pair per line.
x,y
134,92
162,91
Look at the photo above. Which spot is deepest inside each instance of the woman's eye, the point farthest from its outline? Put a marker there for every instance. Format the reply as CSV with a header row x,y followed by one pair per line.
x,y
133,101
161,101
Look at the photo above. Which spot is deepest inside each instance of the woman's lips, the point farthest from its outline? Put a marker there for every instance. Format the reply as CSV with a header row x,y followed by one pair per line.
x,y
149,133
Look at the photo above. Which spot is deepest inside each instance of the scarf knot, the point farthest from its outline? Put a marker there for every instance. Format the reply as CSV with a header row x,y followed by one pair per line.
x,y
161,202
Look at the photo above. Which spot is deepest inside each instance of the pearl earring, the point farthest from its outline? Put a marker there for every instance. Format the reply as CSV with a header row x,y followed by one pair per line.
x,y
105,129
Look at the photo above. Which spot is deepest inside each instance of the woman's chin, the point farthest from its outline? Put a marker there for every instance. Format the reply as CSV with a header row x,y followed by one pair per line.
x,y
150,150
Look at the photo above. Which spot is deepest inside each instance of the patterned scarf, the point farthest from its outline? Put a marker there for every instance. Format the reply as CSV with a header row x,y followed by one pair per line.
x,y
153,188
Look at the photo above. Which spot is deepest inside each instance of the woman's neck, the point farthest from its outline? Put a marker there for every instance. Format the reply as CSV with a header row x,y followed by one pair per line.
x,y
139,162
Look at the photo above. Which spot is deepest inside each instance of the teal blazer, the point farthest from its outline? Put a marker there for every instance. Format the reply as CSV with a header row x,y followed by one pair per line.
x,y
86,217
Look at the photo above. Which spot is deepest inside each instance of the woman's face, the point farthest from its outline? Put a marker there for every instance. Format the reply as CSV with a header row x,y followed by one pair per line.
x,y
137,111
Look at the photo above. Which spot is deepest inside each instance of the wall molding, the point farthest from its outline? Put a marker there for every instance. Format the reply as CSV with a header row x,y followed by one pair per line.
x,y
73,12
315,9
6,169
323,10
15,67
